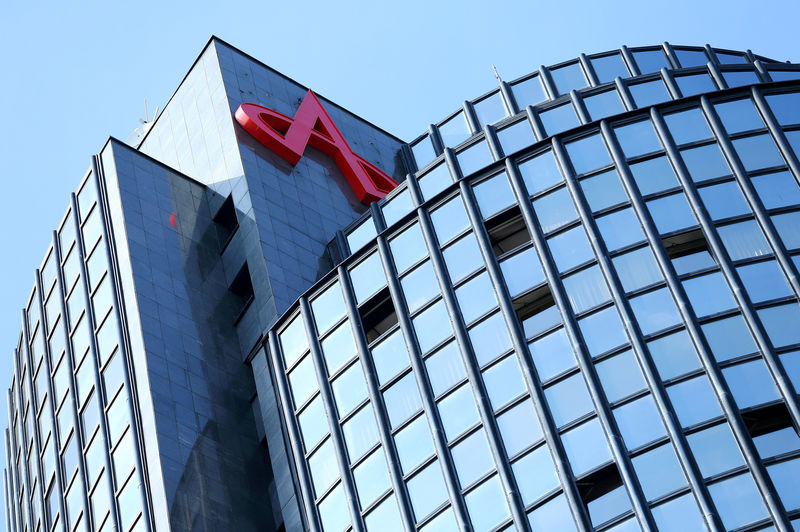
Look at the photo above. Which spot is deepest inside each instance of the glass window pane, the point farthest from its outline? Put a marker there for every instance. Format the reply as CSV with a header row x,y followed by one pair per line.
x,y
494,194
729,338
650,61
603,105
367,277
333,511
724,200
313,423
455,130
528,92
586,289
603,190
472,458
781,324
519,427
688,126
743,240
620,229
324,467
362,234
715,450
705,162
360,432
349,389
602,331
516,136
474,158
408,248
462,257
671,213
691,58
371,478
555,209
788,227
427,490
504,382
757,152
328,307
540,172
423,151
397,207
487,505
303,381
338,347
778,189
694,401
570,248
490,109
739,115
637,138
738,501
476,297
293,341
784,476
402,400
569,399
751,384
390,356
639,422
586,447
384,518
434,181
552,354
764,281
559,118
785,107
695,84
609,505
535,474
553,515
655,311
637,269
522,271
739,78
568,78
659,472
678,515
414,443
588,153
420,286
458,411
649,93
709,294
620,376
444,522
490,339
609,67
445,368
654,175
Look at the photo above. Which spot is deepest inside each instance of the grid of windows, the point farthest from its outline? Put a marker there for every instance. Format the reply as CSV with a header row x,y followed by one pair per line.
x,y
595,330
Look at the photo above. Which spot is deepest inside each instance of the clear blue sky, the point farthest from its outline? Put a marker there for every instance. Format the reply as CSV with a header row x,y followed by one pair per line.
x,y
72,76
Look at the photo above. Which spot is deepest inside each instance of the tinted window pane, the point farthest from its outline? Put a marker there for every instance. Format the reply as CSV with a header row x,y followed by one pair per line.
x,y
609,67
739,115
445,368
751,384
462,257
435,181
650,61
709,294
476,297
402,400
586,447
659,472
529,92
609,505
743,240
408,248
397,207
504,382
588,153
427,490
390,356
569,399
785,107
338,347
414,443
602,331
620,376
458,411
691,58
536,474
724,200
637,138
333,510
620,229
303,381
293,341
555,209
649,93
757,152
781,324
715,450
554,515
694,401
639,422
788,227
519,427
777,190
360,432
654,175
367,277
522,271
472,458
455,130
695,84
494,194
552,354
349,389
568,77
728,338
764,281
678,515
386,517
324,468
688,126
420,286
371,478
515,137
487,504
570,248
637,269
490,110
489,339
705,162
560,118
738,78
586,289
474,158
603,104
655,311
540,172
423,151
603,190
738,501
671,213
784,476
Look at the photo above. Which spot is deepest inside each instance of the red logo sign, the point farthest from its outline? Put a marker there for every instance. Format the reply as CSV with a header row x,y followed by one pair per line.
x,y
288,137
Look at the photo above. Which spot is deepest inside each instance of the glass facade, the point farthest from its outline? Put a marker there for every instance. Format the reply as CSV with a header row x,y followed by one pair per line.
x,y
579,311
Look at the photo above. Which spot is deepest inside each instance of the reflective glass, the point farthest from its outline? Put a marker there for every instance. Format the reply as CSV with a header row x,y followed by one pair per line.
x,y
559,118
540,172
602,331
402,400
397,207
588,153
637,138
474,158
705,162
788,227
487,505
458,411
781,324
427,490
450,219
691,58
649,93
709,294
313,423
435,181
779,441
542,319
349,389
738,501
659,472
678,515
385,518
367,277
408,248
293,341
569,399
751,384
476,297
360,432
489,339
693,262
490,109
390,356
639,422
519,427
414,443
785,107
729,338
620,376
739,78
444,522
570,248
586,447
328,307
695,84
504,382
516,136
620,229
303,381
655,311
609,67
764,281
757,152
423,151
784,476
604,104
743,240
724,200
338,347
494,194
333,511
694,401
688,126
586,289
739,115
462,257
778,189
535,474
637,269
568,77
552,354
555,209
324,467
671,213
372,478
472,458
445,368
528,92
603,190
522,271
609,505
654,175
455,130
650,61
420,286
553,515
715,450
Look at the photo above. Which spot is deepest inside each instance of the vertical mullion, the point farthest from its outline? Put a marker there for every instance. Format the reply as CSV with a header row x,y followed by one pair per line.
x,y
549,429
24,443
418,367
764,345
473,371
604,414
689,464
346,477
384,428
83,286
741,434
6,492
294,433
8,480
69,360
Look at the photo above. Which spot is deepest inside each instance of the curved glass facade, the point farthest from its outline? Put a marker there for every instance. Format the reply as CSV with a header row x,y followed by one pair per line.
x,y
580,313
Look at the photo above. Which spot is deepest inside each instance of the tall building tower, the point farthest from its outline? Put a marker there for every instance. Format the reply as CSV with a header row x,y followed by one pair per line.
x,y
578,310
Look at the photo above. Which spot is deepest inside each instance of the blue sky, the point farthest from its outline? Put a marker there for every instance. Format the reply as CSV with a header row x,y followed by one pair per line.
x,y
72,76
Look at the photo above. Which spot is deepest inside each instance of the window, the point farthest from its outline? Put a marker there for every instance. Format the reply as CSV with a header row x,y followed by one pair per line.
x,y
522,271
694,401
423,151
559,118
454,131
540,172
445,368
303,381
724,200
472,458
553,515
434,181
569,399
738,116
650,61
671,213
729,338
507,231
397,206
785,107
637,269
757,152
781,324
360,431
764,281
328,307
535,474
737,501
504,382
609,67
313,423
462,257
474,157
402,400
678,515
338,347
649,93
390,356
695,84
784,476
367,277
743,240
420,286
568,77
688,126
588,153
226,222
654,175
324,467
777,189
586,447
427,490
705,162
458,411
620,229
490,109
691,58
555,210
552,354
788,227
659,472
570,248
487,505
639,422
708,294
378,315
602,331
586,289
528,92
372,478
408,248
603,104
414,443
494,194
476,297
620,376
516,136
386,517
715,450
519,427
603,190
333,510
751,384
349,389
637,138
489,339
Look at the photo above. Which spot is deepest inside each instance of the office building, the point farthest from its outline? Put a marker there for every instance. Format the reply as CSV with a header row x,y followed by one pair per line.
x,y
572,304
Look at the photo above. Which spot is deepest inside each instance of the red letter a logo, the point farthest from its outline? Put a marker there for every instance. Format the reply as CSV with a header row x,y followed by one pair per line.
x,y
312,125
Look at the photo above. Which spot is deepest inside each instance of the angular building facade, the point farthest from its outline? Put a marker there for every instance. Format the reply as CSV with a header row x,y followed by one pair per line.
x,y
578,310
